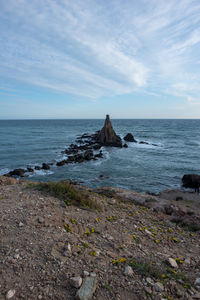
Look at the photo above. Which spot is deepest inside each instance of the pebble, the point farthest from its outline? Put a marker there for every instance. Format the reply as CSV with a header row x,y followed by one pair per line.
x,y
159,287
197,284
128,271
86,273
87,289
172,263
39,297
10,294
40,220
92,274
21,224
148,289
16,256
76,281
149,281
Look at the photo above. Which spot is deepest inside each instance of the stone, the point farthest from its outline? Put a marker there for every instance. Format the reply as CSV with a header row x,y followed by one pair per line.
x,y
107,135
172,263
45,166
76,281
16,256
147,290
128,271
17,172
87,289
67,250
10,294
92,274
197,284
130,138
150,281
40,220
86,273
159,287
21,224
37,168
191,181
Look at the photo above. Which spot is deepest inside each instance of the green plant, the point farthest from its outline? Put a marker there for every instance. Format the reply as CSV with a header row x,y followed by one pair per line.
x,y
145,268
66,192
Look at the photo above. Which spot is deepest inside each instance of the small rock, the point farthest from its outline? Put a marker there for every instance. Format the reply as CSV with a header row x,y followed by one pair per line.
x,y
16,256
128,271
87,289
40,220
187,261
159,287
196,296
150,281
147,290
39,297
76,281
92,274
197,284
148,232
10,294
21,224
172,263
86,273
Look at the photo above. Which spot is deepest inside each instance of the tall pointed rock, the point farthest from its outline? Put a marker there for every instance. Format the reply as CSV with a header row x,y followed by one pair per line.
x,y
107,135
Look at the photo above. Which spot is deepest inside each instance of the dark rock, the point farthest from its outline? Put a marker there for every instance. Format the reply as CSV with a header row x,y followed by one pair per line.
x,y
17,172
130,138
61,163
155,145
99,155
45,166
37,168
29,169
107,136
145,143
88,155
97,147
125,146
79,158
102,176
191,181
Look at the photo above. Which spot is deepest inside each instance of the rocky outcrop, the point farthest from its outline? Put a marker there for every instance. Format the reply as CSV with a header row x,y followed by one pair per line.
x,y
191,181
17,172
107,135
130,138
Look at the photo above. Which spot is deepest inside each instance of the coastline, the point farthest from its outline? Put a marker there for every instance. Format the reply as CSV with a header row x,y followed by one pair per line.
x,y
46,243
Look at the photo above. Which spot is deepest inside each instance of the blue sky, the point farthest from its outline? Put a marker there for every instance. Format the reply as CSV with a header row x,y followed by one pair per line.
x,y
84,59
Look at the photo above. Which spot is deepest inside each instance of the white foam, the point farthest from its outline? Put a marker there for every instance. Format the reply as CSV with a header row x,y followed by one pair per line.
x,y
41,173
4,171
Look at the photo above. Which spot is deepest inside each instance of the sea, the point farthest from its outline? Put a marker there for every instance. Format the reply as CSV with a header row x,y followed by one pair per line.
x,y
142,168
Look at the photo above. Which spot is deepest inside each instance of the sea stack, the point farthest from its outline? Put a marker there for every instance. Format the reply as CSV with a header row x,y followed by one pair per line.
x,y
107,135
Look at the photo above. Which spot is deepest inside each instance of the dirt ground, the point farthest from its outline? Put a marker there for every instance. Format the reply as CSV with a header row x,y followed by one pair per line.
x,y
44,243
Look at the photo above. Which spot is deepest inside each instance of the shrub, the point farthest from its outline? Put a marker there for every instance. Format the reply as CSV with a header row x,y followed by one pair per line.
x,y
66,192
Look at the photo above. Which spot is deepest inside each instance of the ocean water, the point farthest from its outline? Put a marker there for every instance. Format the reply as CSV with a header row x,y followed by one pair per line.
x,y
143,168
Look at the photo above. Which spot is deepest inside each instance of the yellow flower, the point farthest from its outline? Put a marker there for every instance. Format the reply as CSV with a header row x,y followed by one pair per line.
x,y
156,241
67,228
141,229
73,221
163,276
87,233
122,246
92,229
134,236
175,240
93,253
170,230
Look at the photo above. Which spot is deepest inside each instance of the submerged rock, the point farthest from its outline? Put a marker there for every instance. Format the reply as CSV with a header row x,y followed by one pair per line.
x,y
17,172
45,166
107,135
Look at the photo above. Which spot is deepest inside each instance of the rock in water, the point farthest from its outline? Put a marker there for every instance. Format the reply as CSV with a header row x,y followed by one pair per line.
x,y
87,289
130,138
107,135
191,181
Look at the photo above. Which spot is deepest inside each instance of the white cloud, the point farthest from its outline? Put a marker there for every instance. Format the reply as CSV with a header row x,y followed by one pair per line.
x,y
93,49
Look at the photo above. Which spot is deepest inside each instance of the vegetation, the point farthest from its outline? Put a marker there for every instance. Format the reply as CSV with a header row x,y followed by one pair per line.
x,y
71,196
187,225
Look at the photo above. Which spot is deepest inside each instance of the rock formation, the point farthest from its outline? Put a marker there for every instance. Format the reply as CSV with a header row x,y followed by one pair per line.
x,y
107,135
191,181
130,138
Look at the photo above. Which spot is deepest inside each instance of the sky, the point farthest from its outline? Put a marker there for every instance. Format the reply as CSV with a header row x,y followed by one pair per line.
x,y
85,59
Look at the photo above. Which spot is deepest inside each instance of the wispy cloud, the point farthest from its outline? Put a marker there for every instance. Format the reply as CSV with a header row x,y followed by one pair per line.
x,y
101,48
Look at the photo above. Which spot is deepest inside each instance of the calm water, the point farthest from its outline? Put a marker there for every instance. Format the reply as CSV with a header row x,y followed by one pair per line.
x,y
140,167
